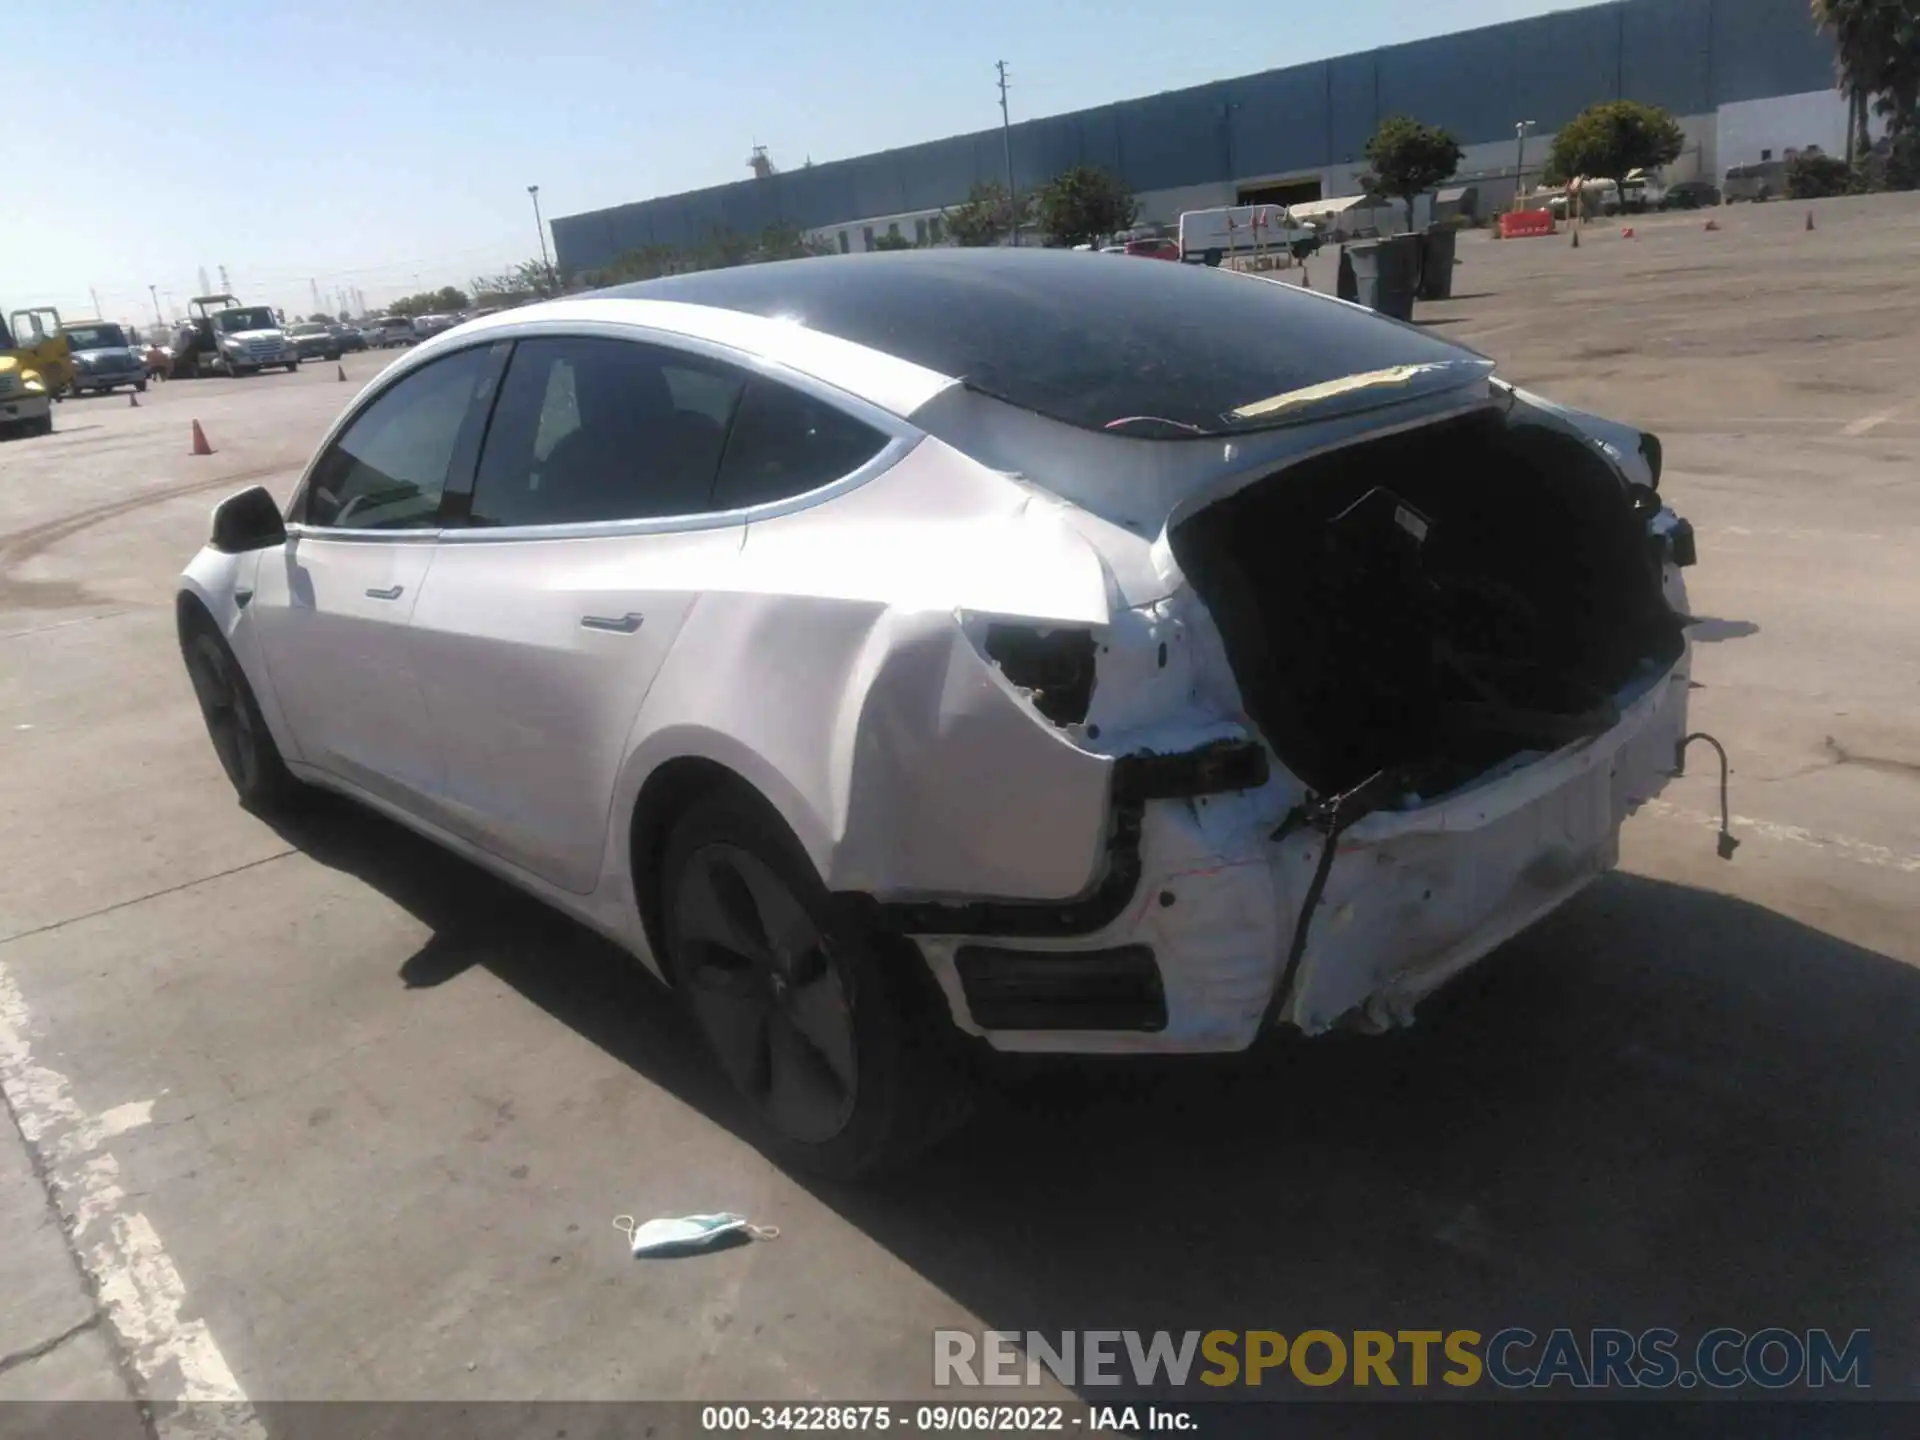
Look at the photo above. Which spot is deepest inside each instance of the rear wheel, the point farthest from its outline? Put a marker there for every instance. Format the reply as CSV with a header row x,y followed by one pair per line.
x,y
234,722
822,1029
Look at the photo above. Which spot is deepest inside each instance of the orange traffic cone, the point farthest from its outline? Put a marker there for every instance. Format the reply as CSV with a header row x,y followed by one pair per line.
x,y
1626,232
1576,240
340,372
1809,220
133,400
1713,224
200,445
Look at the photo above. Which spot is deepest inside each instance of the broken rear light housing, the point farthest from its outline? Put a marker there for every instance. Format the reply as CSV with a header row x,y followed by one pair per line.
x,y
1055,666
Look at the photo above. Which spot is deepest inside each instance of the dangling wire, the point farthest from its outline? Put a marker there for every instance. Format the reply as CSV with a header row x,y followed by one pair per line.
x,y
1727,844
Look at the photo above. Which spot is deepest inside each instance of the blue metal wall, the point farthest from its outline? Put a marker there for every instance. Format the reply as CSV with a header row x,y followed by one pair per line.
x,y
1689,56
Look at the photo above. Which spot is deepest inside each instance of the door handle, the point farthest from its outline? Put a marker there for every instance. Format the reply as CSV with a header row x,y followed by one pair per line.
x,y
392,592
619,624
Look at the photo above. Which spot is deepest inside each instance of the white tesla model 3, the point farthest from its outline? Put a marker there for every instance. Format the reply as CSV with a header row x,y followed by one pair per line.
x,y
894,649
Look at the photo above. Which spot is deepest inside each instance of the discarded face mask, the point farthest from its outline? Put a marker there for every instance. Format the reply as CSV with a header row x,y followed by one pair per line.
x,y
690,1234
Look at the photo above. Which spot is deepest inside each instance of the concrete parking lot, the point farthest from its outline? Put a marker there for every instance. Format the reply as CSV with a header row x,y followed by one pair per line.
x,y
318,1112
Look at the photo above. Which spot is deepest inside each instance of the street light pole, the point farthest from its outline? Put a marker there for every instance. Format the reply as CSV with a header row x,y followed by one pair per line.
x,y
1520,128
1006,144
154,293
540,225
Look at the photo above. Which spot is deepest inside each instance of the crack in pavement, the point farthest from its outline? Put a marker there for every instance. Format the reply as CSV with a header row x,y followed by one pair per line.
x,y
47,1347
151,895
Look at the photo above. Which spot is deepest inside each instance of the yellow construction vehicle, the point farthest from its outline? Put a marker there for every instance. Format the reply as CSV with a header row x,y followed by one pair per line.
x,y
26,386
38,335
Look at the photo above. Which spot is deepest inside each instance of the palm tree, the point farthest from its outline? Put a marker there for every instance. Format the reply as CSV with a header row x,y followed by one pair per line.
x,y
1859,58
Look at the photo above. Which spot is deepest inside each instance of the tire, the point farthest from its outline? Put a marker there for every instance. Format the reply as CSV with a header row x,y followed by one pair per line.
x,y
845,1062
239,733
293,367
140,385
42,426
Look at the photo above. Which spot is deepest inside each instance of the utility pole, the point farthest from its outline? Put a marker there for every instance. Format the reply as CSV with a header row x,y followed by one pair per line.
x,y
1520,128
1006,143
553,284
314,286
154,293
226,286
96,302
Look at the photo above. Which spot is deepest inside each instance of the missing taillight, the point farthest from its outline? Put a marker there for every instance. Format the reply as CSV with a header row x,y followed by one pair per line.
x,y
1055,666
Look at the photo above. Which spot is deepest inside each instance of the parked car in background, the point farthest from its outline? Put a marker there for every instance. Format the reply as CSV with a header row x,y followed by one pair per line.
x,y
1159,658
315,340
1690,195
349,337
103,358
1759,182
1160,249
394,330
427,326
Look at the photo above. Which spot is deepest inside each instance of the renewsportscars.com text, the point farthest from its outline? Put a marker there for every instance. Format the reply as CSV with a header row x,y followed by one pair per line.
x,y
1515,1358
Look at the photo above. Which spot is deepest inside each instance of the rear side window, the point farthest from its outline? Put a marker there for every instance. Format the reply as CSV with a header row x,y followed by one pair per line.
x,y
785,443
387,471
590,429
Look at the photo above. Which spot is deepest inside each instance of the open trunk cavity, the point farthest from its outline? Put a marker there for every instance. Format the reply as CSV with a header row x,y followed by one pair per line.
x,y
1433,602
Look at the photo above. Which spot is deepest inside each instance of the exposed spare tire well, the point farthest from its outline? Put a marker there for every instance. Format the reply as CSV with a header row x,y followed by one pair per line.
x,y
1432,602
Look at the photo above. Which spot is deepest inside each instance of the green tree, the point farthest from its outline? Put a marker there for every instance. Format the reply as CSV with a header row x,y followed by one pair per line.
x,y
985,217
1612,140
1409,159
1082,205
443,301
892,241
1813,176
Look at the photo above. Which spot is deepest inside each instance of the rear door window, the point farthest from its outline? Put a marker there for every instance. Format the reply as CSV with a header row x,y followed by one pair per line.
x,y
590,429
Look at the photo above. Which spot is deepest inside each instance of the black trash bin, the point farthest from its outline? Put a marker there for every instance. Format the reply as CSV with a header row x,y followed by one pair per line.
x,y
1436,262
1387,274
1345,287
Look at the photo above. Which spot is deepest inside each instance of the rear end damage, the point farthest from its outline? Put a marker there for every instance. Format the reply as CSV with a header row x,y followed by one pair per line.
x,y
1459,651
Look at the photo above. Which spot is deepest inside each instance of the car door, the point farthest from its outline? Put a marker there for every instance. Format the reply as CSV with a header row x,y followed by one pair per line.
x,y
332,606
38,334
588,537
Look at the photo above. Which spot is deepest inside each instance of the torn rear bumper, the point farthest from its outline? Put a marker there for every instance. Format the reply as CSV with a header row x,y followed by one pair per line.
x,y
1414,895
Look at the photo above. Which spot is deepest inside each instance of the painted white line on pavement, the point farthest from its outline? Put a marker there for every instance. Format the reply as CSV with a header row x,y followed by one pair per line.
x,y
1866,424
1862,852
139,1288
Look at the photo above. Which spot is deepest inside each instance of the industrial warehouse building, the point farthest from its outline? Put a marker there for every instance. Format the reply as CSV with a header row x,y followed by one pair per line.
x,y
1748,79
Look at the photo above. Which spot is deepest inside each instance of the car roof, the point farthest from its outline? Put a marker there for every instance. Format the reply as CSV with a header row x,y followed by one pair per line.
x,y
1091,345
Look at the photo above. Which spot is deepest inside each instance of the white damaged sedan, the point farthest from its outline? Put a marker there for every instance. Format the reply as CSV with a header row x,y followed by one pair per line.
x,y
895,649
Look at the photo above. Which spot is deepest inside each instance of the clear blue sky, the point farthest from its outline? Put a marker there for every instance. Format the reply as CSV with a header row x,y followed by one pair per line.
x,y
367,142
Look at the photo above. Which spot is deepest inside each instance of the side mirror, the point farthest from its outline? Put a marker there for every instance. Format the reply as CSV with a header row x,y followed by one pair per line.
x,y
250,520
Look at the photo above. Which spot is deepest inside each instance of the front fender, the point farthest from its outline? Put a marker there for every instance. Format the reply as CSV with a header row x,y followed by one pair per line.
x,y
217,581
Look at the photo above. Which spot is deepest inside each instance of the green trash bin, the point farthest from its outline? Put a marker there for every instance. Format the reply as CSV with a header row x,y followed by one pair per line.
x,y
1436,262
1387,274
